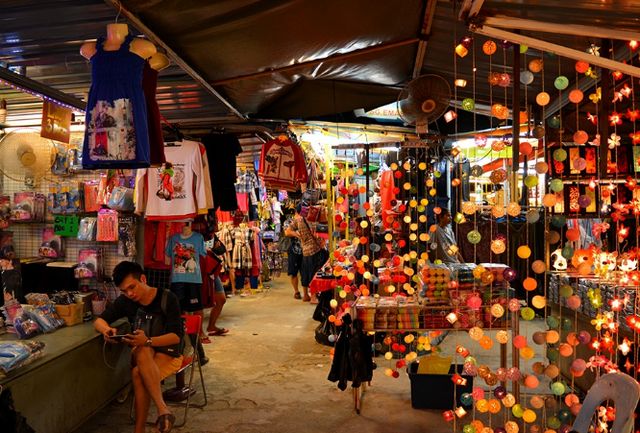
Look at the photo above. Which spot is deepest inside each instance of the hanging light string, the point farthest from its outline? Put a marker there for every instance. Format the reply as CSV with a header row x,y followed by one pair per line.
x,y
637,204
473,90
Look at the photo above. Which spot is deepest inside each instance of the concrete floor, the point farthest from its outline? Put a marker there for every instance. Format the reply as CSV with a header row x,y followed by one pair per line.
x,y
269,375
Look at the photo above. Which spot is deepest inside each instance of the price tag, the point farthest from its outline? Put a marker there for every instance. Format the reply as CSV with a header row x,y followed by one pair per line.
x,y
66,225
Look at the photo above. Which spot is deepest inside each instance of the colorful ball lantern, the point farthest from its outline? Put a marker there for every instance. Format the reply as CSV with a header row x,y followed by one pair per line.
x,y
538,132
542,167
554,122
539,301
489,48
580,137
539,266
560,155
526,77
576,96
561,82
527,313
468,104
550,200
524,252
536,65
582,66
543,99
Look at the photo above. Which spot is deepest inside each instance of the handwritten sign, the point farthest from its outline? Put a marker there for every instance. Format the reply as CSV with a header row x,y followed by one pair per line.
x,y
66,225
56,122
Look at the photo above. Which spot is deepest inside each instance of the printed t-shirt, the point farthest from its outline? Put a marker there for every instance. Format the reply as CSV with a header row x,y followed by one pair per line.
x,y
185,255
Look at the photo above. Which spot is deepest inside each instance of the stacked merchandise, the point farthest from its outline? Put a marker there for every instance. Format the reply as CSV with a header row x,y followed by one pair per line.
x,y
14,354
435,281
495,290
366,311
386,313
408,313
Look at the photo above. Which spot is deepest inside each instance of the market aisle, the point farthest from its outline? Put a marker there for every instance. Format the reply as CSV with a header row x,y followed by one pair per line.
x,y
269,375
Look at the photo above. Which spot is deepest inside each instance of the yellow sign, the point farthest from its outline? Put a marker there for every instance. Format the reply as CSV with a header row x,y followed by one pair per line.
x,y
56,122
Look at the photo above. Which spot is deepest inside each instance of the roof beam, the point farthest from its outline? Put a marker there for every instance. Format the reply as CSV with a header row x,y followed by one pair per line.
x,y
197,76
425,32
565,29
469,9
560,50
331,58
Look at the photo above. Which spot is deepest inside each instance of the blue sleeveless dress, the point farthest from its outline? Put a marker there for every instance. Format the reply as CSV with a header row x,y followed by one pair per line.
x,y
116,134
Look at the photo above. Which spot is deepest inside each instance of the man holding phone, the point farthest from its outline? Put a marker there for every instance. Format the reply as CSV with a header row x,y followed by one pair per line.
x,y
155,341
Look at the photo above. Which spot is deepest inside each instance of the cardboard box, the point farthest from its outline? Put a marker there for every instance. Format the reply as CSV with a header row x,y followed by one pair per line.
x,y
71,314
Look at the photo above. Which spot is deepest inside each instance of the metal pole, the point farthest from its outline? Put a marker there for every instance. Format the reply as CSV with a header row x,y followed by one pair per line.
x,y
515,144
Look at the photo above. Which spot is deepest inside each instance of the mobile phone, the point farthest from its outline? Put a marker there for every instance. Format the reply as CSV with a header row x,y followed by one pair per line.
x,y
119,337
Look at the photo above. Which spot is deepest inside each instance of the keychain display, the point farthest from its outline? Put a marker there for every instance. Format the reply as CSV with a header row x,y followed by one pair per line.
x,y
127,236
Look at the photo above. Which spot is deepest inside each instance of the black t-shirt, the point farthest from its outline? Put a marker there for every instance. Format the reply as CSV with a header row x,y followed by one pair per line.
x,y
222,150
171,322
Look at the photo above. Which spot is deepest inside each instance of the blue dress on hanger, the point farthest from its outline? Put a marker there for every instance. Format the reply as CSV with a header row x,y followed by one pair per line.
x,y
116,134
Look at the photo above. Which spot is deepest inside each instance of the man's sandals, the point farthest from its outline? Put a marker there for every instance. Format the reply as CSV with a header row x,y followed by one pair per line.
x,y
165,422
218,332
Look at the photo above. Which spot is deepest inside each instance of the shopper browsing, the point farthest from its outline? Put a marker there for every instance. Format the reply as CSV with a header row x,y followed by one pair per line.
x,y
313,255
155,342
444,239
294,261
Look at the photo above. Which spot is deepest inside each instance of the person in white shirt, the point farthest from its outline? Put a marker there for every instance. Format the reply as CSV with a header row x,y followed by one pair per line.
x,y
444,240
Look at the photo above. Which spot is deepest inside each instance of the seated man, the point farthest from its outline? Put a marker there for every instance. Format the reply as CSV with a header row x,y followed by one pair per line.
x,y
155,342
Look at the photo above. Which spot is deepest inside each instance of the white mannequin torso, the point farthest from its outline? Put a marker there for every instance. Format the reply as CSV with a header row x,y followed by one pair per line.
x,y
116,34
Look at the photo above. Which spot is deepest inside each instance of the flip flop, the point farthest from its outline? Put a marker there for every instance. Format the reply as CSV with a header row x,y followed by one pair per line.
x,y
165,422
205,340
296,295
218,332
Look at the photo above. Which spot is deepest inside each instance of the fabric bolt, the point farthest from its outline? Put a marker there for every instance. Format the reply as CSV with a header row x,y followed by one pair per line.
x,y
185,253
156,142
309,243
222,150
116,132
176,190
282,165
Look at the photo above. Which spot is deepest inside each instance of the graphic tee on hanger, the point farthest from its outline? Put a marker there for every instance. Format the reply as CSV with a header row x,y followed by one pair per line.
x,y
185,253
175,190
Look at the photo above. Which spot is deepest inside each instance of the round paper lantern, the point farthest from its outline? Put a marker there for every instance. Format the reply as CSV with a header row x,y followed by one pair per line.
x,y
552,371
543,98
527,313
554,122
468,104
470,369
579,365
498,246
573,302
466,399
531,180
532,216
477,171
499,111
529,416
526,77
509,274
531,381
536,402
489,48
538,267
565,350
572,339
513,305
558,388
494,406
582,66
580,164
519,341
571,399
502,337
486,342
468,428
565,291
564,415
478,393
498,145
517,410
474,237
524,252
482,406
525,148
576,96
554,237
498,211
539,301
538,132
584,201
556,185
536,65
552,322
580,137
505,80
550,200
509,400
474,302
573,234
553,422
553,336
560,155
529,284
538,367
476,333
584,337
491,379
567,252
561,82
539,337
542,167
514,209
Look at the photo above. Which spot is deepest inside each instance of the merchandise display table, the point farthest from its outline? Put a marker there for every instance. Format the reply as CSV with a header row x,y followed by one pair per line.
x,y
70,382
